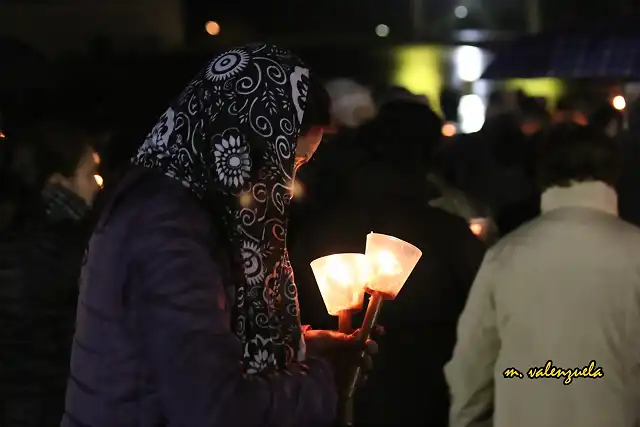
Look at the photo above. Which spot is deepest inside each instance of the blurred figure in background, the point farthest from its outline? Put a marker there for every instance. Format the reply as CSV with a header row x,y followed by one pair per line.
x,y
523,199
389,193
351,105
629,183
47,186
493,166
563,288
607,118
569,110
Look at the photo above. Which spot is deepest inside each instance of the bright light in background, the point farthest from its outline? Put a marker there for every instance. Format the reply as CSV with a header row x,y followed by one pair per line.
x,y
382,30
461,12
417,68
469,63
448,130
472,113
99,180
619,103
2,135
212,28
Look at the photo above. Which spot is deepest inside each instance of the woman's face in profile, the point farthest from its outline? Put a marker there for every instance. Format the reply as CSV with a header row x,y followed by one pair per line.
x,y
307,145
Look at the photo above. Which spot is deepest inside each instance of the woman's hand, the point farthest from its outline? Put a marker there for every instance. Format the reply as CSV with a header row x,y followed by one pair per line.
x,y
343,352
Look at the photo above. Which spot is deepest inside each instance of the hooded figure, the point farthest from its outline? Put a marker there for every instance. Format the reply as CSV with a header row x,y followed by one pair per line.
x,y
187,275
245,125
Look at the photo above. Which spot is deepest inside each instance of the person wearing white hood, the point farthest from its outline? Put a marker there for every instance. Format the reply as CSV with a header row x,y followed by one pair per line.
x,y
556,304
351,103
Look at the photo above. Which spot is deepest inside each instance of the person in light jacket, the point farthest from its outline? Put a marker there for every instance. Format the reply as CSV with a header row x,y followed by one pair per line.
x,y
557,301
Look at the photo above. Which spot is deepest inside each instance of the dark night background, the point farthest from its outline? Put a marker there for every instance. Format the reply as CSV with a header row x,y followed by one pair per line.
x,y
121,62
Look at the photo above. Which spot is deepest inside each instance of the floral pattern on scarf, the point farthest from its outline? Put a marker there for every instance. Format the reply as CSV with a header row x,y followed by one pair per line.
x,y
230,137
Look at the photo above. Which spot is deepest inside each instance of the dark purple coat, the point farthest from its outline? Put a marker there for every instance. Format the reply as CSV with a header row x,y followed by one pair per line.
x,y
153,344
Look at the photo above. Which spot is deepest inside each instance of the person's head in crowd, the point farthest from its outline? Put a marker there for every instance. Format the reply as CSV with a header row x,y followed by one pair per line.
x,y
572,153
398,95
533,117
495,104
404,134
502,103
568,110
352,104
608,119
48,160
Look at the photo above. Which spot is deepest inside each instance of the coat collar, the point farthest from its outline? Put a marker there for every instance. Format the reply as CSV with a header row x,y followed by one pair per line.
x,y
594,195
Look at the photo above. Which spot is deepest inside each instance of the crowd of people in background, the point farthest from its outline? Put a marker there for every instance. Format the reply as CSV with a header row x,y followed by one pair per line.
x,y
168,298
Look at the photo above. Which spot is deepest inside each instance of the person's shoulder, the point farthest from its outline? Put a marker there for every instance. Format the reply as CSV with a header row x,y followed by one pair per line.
x,y
505,247
627,231
146,197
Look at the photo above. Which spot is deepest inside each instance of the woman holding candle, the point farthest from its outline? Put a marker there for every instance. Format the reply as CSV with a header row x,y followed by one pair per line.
x,y
188,312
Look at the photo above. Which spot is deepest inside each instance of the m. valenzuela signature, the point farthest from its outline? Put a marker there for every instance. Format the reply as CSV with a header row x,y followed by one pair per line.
x,y
549,370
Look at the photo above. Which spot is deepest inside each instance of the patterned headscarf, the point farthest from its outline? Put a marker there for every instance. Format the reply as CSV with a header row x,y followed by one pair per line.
x,y
230,137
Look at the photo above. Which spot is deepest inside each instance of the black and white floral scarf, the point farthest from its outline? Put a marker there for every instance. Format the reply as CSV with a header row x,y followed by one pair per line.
x,y
230,137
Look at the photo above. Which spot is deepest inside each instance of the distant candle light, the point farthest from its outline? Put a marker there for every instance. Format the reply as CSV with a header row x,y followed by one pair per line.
x,y
619,103
448,130
212,28
99,180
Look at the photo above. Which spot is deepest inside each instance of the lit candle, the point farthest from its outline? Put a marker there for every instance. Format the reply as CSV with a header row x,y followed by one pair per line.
x,y
342,279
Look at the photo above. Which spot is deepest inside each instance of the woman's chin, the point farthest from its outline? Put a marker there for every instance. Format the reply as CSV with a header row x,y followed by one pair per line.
x,y
299,161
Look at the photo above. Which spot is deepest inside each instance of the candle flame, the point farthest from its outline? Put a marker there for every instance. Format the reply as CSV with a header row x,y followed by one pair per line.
x,y
392,260
341,279
99,180
476,228
387,263
338,271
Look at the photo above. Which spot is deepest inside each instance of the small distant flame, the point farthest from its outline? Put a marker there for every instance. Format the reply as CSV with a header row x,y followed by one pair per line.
x,y
96,158
476,229
449,130
2,135
99,180
619,103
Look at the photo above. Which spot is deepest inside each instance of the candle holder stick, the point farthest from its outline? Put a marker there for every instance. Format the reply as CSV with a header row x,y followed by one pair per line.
x,y
344,321
392,261
369,322
345,409
341,279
